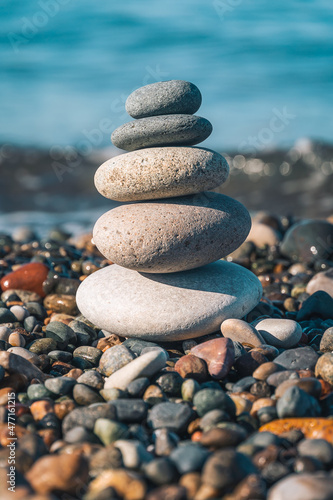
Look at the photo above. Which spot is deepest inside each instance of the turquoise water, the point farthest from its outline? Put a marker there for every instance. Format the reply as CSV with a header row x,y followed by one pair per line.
x,y
67,66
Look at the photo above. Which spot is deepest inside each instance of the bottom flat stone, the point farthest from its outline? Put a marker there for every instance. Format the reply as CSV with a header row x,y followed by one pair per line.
x,y
167,307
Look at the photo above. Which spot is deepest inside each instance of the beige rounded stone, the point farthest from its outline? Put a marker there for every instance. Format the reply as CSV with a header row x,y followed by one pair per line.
x,y
262,235
173,234
167,307
321,281
241,331
166,172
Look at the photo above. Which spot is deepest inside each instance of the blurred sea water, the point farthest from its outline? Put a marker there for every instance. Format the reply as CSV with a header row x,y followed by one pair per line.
x,y
265,70
68,66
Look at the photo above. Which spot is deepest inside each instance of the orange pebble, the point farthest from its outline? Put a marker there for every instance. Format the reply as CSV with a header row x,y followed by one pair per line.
x,y
62,409
312,428
261,403
41,408
326,388
196,436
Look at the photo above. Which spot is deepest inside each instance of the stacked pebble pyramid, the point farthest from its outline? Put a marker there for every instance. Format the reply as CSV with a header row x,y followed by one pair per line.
x,y
168,233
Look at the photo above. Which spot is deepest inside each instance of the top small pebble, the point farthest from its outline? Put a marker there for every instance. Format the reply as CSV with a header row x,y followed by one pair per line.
x,y
164,98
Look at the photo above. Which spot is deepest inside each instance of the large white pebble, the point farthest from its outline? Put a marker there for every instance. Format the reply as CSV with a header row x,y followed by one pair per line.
x,y
280,332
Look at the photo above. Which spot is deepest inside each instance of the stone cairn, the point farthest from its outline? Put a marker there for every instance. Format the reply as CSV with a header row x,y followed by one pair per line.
x,y
168,234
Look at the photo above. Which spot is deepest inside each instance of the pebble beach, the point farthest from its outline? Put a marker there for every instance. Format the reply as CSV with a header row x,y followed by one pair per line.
x,y
244,413
184,350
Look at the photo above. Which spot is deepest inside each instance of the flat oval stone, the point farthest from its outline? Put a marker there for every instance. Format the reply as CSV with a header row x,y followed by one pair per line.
x,y
164,130
172,234
190,304
160,173
164,98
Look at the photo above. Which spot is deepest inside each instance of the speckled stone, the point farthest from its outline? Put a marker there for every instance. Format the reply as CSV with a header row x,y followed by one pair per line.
x,y
278,332
326,343
165,130
164,98
160,173
115,358
174,234
191,304
324,367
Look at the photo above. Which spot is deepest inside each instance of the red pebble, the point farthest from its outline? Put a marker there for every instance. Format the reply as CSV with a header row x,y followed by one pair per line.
x,y
219,355
28,277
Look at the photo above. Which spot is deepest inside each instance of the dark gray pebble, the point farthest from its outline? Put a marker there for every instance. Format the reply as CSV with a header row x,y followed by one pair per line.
x,y
60,356
170,383
164,98
243,384
297,403
84,333
189,457
37,310
88,353
60,385
308,240
206,400
87,416
160,471
318,304
38,391
172,416
80,434
84,395
300,358
92,378
6,316
61,333
30,323
137,345
165,130
320,449
130,410
225,469
137,387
